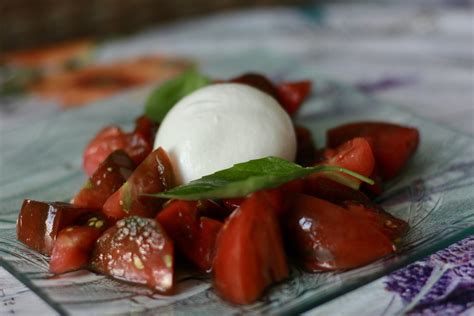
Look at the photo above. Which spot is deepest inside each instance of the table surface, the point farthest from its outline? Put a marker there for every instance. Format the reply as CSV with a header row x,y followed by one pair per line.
x,y
418,54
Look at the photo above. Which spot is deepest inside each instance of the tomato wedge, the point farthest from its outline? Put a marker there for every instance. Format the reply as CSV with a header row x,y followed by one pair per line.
x,y
153,175
249,254
326,236
259,82
194,236
40,222
292,94
392,144
108,178
306,149
137,250
73,246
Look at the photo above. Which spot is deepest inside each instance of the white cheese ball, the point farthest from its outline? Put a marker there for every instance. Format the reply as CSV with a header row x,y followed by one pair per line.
x,y
220,125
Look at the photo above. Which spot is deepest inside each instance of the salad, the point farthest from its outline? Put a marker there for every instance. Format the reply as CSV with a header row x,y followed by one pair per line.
x,y
216,176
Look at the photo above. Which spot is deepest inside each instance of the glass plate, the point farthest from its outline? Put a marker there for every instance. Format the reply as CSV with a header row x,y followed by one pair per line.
x,y
43,161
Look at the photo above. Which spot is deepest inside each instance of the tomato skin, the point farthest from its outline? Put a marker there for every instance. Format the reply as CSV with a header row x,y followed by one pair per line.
x,y
72,248
194,236
153,175
328,237
40,222
392,144
108,178
389,225
136,250
249,253
292,94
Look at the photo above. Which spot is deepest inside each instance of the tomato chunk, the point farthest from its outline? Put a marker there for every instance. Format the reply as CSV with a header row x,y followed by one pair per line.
x,y
194,236
333,191
249,254
137,250
108,178
74,245
329,237
137,144
392,144
40,222
292,94
153,175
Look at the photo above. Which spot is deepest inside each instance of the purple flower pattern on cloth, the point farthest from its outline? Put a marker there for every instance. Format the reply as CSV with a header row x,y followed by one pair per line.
x,y
441,284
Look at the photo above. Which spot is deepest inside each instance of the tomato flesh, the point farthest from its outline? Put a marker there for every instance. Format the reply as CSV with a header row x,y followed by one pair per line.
x,y
392,144
136,250
108,178
326,236
153,175
40,222
249,253
73,247
193,235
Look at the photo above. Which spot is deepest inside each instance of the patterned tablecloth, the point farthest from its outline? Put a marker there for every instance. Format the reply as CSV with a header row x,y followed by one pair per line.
x,y
418,54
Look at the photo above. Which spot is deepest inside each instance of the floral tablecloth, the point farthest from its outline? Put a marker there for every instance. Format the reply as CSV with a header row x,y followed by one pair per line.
x,y
419,54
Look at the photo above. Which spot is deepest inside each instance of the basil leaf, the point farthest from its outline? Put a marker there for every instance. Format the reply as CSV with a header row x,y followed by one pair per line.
x,y
163,98
248,177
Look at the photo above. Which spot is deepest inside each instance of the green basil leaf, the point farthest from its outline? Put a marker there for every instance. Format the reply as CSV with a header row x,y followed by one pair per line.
x,y
248,177
163,98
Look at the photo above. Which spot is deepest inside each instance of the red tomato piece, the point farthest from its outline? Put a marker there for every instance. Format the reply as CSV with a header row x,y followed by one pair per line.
x,y
136,250
194,236
259,82
388,224
355,155
108,178
153,175
137,144
249,253
329,237
392,144
73,246
40,222
306,149
292,94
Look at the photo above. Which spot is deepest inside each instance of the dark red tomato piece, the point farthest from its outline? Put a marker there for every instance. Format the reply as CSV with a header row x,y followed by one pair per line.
x,y
211,209
388,224
108,178
392,144
306,149
194,236
136,250
153,175
373,190
232,203
249,253
73,247
326,236
40,222
292,94
147,128
333,191
259,82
